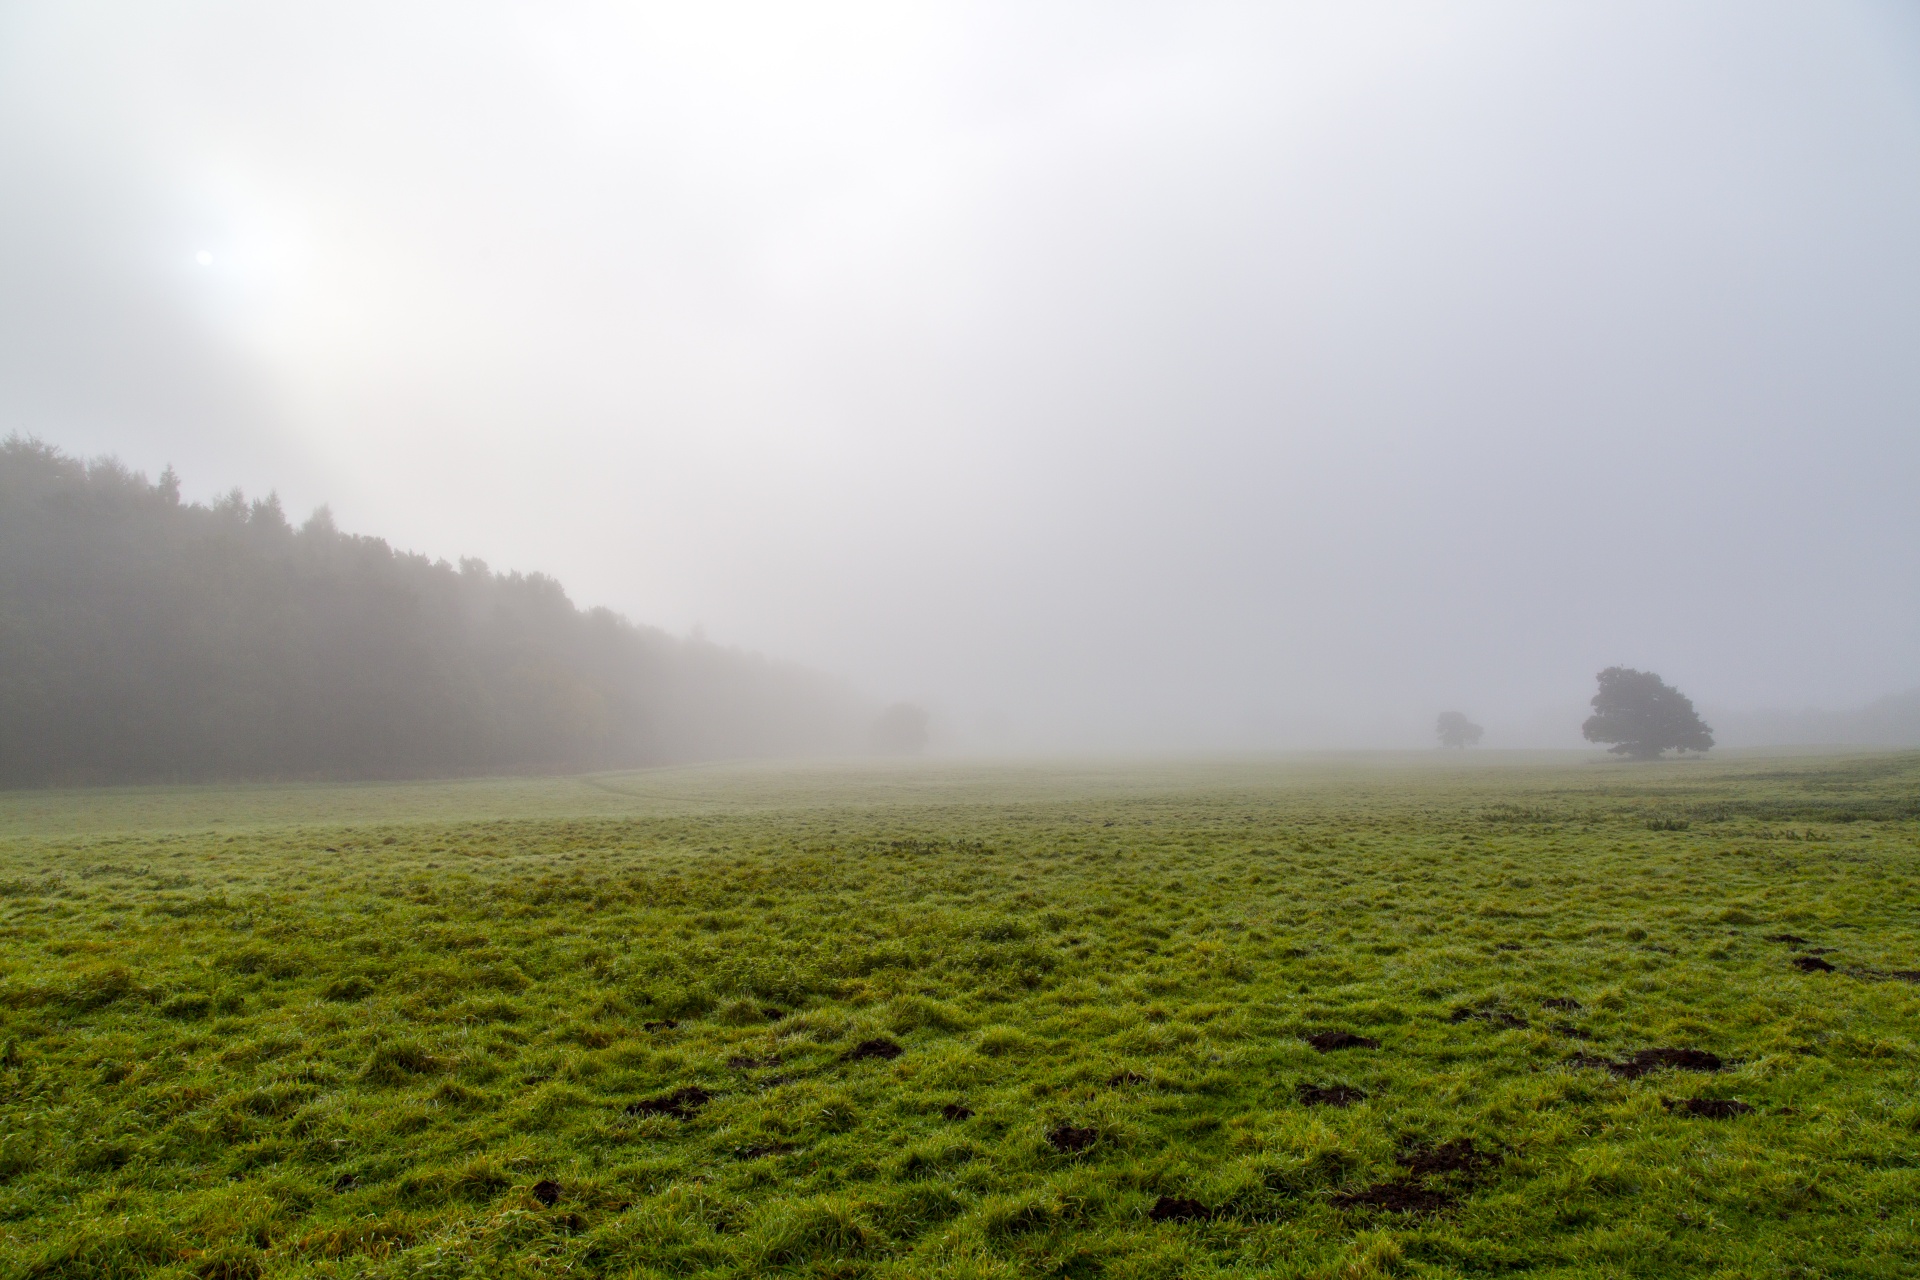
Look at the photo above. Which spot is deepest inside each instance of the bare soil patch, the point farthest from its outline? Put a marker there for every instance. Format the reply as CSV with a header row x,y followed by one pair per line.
x,y
1565,1004
680,1104
957,1111
1400,1195
1177,1209
745,1062
1707,1108
1333,1095
1069,1138
1885,975
1653,1060
882,1048
1459,1159
1456,1155
1811,964
762,1150
1328,1041
547,1192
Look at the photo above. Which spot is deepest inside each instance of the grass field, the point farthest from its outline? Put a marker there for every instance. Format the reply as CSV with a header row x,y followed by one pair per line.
x,y
972,1021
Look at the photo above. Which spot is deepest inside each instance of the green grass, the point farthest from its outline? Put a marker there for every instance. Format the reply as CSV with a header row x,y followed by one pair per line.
x,y
333,1031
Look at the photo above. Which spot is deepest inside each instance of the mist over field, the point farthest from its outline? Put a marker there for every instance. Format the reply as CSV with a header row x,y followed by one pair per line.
x,y
964,640
1199,376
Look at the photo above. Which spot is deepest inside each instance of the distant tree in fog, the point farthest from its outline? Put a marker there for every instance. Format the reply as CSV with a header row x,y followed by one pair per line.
x,y
900,730
1643,715
1456,730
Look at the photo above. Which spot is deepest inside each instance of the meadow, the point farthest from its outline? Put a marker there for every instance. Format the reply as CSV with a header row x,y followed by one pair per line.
x,y
1355,1017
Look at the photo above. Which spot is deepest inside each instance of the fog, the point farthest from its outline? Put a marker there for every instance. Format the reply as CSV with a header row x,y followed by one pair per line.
x,y
1119,376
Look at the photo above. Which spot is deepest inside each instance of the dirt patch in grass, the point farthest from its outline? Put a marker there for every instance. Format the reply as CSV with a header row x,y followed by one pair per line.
x,y
1127,1079
1070,1138
883,1049
1399,1195
1565,1004
680,1104
664,1024
1653,1060
1492,1017
1456,1155
1328,1041
957,1111
745,1062
1885,975
1707,1108
1457,1163
547,1192
1177,1209
345,1182
1811,964
1332,1095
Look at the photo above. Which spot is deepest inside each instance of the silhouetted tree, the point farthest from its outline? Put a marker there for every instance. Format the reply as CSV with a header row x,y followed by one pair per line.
x,y
143,638
900,730
1643,715
1456,730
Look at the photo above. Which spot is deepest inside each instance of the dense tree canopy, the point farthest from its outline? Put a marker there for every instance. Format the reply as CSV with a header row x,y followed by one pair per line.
x,y
1643,716
144,638
1455,730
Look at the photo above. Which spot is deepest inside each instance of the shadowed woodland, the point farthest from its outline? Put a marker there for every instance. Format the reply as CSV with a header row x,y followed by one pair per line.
x,y
147,639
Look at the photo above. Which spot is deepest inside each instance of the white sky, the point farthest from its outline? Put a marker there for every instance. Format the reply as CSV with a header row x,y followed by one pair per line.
x,y
1101,374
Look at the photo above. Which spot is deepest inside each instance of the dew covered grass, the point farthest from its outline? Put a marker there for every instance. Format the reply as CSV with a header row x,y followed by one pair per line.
x,y
972,1021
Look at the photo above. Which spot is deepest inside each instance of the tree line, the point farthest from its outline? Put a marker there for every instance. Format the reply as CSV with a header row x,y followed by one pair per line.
x,y
147,639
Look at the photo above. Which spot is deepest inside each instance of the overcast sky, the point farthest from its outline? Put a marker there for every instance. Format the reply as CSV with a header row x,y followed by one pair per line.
x,y
1100,374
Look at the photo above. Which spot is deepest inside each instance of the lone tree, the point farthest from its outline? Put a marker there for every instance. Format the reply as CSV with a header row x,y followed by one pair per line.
x,y
1643,715
1456,730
